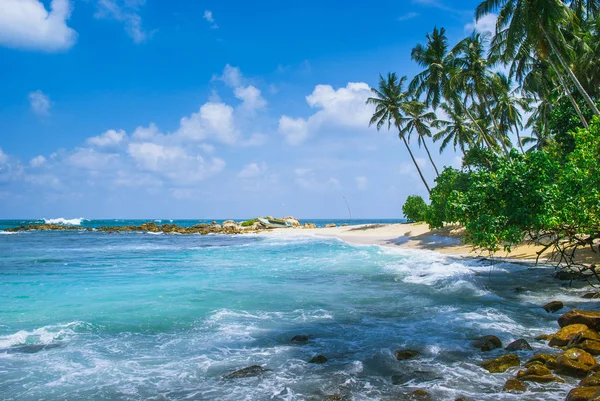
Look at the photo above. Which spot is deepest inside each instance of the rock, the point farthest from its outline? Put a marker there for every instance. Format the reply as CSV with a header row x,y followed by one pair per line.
x,y
420,376
590,319
335,397
299,339
294,222
566,334
553,306
591,295
539,374
588,341
502,364
250,371
345,225
318,359
310,225
30,349
569,275
230,224
419,395
519,345
575,362
543,337
590,381
584,394
546,360
402,355
330,225
514,385
487,343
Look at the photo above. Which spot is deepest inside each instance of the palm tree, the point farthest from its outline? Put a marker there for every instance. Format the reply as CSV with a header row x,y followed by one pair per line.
x,y
457,130
537,25
508,108
388,101
418,119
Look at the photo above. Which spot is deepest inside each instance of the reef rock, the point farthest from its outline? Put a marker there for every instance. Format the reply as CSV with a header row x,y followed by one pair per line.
x,y
402,355
330,225
299,339
250,371
310,225
487,343
539,374
318,359
566,334
519,345
591,381
502,364
584,394
553,306
575,362
419,395
514,386
590,319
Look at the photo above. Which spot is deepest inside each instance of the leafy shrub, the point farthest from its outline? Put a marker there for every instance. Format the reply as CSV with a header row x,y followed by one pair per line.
x,y
415,208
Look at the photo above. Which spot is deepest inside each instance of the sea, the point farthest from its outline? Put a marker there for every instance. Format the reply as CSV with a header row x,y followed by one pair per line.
x,y
88,315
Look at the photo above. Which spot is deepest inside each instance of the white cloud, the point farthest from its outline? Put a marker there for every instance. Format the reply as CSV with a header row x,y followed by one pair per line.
x,y
232,76
407,16
40,103
251,98
294,130
486,25
208,16
127,13
90,159
361,183
213,121
3,157
142,133
252,170
37,161
26,24
110,138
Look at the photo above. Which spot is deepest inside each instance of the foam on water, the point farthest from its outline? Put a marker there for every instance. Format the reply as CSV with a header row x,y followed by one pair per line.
x,y
63,221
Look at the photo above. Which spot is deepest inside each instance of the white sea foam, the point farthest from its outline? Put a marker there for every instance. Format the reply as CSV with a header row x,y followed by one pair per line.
x,y
43,335
63,221
6,233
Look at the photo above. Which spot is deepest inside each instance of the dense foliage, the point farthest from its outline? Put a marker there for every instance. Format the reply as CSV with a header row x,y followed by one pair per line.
x,y
414,209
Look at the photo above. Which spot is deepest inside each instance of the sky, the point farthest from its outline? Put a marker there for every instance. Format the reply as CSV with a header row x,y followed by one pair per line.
x,y
207,109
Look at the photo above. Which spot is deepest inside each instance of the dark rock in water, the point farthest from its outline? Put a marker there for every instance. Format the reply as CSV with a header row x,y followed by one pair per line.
x,y
514,385
501,364
583,394
250,371
403,354
318,359
419,395
31,349
487,343
544,337
575,362
519,345
519,290
335,397
420,376
569,275
591,381
553,306
591,295
299,339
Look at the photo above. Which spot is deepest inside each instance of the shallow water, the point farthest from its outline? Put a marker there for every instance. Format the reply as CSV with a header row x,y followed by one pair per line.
x,y
132,316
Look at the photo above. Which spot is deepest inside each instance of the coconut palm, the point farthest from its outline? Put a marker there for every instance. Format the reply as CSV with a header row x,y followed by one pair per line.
x,y
458,130
537,25
388,100
417,118
508,108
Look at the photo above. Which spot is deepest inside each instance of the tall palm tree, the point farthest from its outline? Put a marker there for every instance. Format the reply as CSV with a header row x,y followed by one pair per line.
x,y
417,118
508,107
388,100
458,130
536,24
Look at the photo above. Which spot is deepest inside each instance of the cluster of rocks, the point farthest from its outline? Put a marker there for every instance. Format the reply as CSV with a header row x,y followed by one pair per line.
x,y
227,227
578,341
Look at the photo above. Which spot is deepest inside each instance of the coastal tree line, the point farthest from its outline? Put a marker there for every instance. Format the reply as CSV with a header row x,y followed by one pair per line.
x,y
544,187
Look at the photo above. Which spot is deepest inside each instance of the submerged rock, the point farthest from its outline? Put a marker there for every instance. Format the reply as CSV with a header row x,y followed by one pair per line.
x,y
553,306
487,343
30,349
501,364
419,375
575,362
546,360
591,295
299,339
539,374
402,355
419,395
584,394
318,359
590,319
519,345
591,381
250,371
566,334
514,385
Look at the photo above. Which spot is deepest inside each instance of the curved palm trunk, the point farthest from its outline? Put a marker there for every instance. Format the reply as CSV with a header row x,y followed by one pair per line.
x,y
483,134
415,162
430,158
494,122
566,87
570,73
519,138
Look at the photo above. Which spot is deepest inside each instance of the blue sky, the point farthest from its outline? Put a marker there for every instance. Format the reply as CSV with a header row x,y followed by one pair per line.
x,y
206,109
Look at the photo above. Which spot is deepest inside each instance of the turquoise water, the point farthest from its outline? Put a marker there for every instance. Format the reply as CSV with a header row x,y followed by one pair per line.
x,y
132,316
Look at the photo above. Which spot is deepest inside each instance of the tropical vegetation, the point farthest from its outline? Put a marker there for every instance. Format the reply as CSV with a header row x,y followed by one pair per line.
x,y
521,106
414,209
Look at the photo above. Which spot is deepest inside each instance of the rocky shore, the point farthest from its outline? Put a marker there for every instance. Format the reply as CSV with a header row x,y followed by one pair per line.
x,y
227,227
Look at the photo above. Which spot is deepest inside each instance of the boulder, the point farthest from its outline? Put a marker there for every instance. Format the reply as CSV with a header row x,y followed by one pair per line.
x,y
584,394
318,359
591,381
546,360
591,295
330,225
299,339
294,222
543,337
553,306
250,371
519,345
590,319
230,224
588,341
575,362
487,343
403,354
514,385
310,225
419,395
566,334
539,374
502,364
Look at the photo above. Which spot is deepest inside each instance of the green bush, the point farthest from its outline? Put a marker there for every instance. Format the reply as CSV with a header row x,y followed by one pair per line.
x,y
249,223
415,208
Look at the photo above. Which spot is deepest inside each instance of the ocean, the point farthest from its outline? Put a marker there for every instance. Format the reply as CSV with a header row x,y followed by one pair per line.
x,y
137,316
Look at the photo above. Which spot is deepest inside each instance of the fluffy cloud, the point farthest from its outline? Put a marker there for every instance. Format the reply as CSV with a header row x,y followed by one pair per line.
x,y
110,138
252,170
250,97
40,103
126,12
344,107
37,161
232,76
213,121
486,25
90,159
208,16
26,24
3,157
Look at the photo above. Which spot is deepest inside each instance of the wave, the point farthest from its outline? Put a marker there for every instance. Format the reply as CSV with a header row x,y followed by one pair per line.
x,y
66,222
44,335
